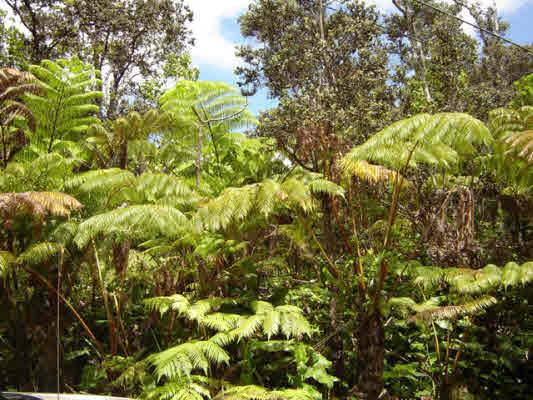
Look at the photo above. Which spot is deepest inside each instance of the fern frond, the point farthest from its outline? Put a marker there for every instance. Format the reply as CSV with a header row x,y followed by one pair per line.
x,y
254,392
522,143
181,360
471,281
327,187
192,388
138,222
369,172
101,180
438,140
37,204
454,311
66,106
156,187
197,102
263,199
39,253
14,85
7,259
270,320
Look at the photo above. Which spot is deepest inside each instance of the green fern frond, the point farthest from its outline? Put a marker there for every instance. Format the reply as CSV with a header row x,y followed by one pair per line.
x,y
401,305
101,180
67,106
196,102
471,281
138,222
327,187
254,392
192,388
270,320
7,259
157,187
39,253
438,140
163,304
181,360
234,205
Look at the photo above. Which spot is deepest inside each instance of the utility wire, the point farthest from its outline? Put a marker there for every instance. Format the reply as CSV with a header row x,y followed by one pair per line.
x,y
440,10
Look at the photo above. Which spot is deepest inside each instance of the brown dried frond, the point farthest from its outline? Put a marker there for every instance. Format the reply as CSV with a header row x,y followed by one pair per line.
x,y
455,311
37,204
14,85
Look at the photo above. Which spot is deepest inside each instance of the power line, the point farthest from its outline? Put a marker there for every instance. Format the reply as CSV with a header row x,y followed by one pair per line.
x,y
459,19
473,25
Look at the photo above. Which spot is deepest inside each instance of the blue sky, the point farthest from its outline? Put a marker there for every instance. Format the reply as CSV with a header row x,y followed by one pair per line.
x,y
217,32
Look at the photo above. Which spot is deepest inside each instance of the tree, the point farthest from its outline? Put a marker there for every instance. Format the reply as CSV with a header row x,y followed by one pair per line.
x,y
500,65
50,32
123,39
130,38
440,140
440,68
328,69
436,56
13,52
205,112
113,151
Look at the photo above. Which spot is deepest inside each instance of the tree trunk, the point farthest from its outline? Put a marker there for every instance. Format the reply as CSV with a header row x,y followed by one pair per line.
x,y
123,155
198,163
370,355
121,252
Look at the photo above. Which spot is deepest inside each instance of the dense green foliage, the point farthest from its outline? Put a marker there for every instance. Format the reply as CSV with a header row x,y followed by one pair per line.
x,y
370,237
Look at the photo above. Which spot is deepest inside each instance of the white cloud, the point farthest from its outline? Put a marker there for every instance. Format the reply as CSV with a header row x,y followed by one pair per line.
x,y
211,46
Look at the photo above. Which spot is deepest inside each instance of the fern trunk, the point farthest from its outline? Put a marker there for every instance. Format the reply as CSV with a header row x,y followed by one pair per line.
x,y
371,353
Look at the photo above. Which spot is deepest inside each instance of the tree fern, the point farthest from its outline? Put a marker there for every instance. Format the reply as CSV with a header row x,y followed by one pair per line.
x,y
368,172
515,128
39,252
189,388
7,260
266,319
44,172
203,102
204,114
137,222
263,198
438,140
115,186
509,163
67,105
111,146
472,281
179,361
253,392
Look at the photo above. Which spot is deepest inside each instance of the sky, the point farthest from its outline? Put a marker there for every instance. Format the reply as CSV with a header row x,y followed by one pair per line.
x,y
216,30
